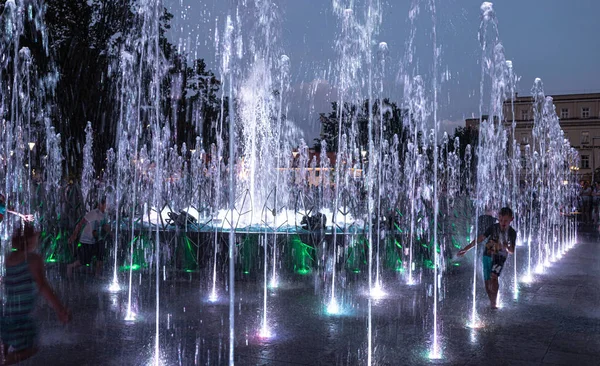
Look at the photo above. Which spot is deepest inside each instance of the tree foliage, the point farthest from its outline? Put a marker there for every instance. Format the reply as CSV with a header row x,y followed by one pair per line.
x,y
388,120
85,40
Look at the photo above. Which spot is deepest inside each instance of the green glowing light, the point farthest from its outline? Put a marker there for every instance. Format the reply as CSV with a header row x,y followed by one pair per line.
x,y
398,228
456,264
246,272
356,271
398,244
303,271
51,260
135,267
428,263
189,270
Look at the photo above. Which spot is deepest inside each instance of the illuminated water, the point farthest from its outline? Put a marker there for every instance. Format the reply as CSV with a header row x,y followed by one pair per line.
x,y
389,206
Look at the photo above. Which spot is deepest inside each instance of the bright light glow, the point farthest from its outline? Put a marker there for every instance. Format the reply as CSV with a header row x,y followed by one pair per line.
x,y
130,316
377,292
436,352
411,281
539,269
274,283
265,332
114,287
156,361
213,297
527,279
475,324
547,263
333,308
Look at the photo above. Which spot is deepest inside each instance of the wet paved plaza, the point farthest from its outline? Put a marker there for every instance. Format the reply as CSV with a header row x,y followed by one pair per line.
x,y
553,320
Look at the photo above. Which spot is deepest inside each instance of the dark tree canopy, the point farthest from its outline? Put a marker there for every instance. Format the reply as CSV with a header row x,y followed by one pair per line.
x,y
85,40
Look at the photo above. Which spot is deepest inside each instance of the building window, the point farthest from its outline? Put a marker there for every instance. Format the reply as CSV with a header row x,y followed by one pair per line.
x,y
585,112
564,113
585,161
524,138
585,137
524,115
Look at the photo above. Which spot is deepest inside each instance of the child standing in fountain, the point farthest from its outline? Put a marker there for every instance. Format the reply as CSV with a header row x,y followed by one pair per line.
x,y
24,270
502,238
95,229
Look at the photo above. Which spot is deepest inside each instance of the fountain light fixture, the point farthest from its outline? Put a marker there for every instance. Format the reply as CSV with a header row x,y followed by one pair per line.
x,y
114,287
31,146
435,353
527,279
333,308
265,332
377,292
539,268
130,316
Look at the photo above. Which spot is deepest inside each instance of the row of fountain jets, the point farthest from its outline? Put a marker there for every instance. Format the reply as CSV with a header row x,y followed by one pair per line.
x,y
265,177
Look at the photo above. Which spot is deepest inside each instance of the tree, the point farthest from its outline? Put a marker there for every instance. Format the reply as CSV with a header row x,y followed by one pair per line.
x,y
86,40
387,118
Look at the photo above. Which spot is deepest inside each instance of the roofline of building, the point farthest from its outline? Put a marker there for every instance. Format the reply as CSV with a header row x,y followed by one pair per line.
x,y
558,97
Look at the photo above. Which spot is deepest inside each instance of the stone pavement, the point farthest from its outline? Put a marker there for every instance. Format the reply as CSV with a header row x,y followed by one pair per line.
x,y
555,320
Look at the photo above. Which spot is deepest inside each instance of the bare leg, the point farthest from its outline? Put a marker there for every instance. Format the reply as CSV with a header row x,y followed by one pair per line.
x,y
98,268
494,290
71,267
488,290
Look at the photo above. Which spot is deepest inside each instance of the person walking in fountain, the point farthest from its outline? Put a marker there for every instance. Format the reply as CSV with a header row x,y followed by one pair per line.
x,y
501,241
23,280
91,243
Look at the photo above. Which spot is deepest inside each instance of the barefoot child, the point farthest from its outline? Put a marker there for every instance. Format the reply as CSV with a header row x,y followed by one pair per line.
x,y
24,272
501,242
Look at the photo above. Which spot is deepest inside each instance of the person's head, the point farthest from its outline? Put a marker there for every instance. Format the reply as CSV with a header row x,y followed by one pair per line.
x,y
505,217
101,204
25,238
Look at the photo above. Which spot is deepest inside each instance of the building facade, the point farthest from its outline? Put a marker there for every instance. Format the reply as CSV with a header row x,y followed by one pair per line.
x,y
579,116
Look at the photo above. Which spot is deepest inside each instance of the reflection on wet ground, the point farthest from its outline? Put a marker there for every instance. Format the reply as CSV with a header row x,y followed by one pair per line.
x,y
554,320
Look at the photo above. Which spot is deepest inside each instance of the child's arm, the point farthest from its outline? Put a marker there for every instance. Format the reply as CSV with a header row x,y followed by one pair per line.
x,y
36,265
510,247
77,230
27,217
471,245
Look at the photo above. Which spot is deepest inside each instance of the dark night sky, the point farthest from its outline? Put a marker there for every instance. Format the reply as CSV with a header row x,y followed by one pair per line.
x,y
555,40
